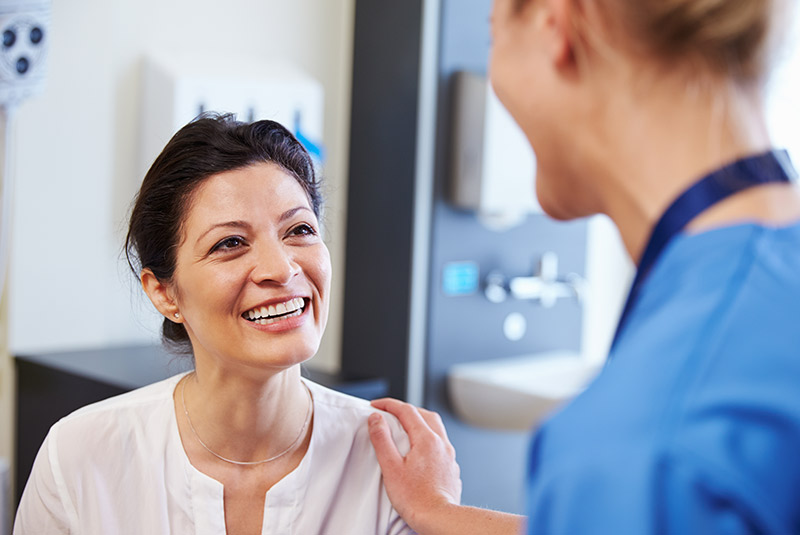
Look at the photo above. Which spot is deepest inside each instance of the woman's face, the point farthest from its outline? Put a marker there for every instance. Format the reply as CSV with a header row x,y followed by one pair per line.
x,y
510,56
252,273
528,79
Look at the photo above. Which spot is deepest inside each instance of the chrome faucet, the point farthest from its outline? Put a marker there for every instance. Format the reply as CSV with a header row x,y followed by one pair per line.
x,y
545,286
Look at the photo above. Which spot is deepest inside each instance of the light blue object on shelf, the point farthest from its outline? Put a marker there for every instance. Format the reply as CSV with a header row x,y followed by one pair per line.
x,y
460,278
314,148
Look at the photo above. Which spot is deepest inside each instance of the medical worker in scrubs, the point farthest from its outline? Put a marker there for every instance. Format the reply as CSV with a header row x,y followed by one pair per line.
x,y
651,112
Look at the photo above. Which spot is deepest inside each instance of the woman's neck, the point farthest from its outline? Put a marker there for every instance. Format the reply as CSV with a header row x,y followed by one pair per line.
x,y
244,418
667,144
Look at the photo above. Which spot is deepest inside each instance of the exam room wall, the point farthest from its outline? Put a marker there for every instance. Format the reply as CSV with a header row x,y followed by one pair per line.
x,y
77,156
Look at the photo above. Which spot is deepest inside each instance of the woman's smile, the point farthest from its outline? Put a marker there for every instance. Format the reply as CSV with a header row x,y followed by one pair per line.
x,y
283,316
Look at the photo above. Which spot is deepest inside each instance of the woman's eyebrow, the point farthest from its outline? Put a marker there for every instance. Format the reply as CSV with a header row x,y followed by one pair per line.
x,y
226,224
289,213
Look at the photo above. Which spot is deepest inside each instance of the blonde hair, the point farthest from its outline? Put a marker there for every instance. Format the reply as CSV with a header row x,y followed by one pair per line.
x,y
729,37
732,38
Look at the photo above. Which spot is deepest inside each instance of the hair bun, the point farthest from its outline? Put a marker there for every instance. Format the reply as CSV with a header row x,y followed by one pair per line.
x,y
729,36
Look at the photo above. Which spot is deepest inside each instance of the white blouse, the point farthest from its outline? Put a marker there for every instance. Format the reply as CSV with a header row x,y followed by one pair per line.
x,y
118,466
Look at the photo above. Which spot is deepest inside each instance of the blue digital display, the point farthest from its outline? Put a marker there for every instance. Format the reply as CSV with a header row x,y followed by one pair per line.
x,y
460,278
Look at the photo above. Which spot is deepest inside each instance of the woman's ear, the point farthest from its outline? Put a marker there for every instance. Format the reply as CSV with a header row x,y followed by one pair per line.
x,y
559,18
161,295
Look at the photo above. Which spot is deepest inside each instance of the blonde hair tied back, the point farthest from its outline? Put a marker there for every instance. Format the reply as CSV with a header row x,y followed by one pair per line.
x,y
732,38
729,37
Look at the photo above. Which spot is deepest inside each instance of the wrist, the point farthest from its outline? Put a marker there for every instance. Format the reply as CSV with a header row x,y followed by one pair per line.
x,y
455,519
436,519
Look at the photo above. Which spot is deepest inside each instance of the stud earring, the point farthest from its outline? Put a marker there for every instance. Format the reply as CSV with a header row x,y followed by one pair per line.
x,y
177,315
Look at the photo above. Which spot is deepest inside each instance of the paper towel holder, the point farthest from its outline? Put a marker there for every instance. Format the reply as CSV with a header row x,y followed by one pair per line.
x,y
493,166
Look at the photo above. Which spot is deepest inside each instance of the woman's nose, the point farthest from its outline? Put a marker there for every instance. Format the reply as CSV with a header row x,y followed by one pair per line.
x,y
274,264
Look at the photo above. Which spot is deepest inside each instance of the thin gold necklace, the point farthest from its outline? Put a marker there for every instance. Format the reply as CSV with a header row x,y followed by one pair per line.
x,y
245,463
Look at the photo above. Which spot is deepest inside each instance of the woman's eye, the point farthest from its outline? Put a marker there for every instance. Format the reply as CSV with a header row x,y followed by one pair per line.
x,y
303,230
231,242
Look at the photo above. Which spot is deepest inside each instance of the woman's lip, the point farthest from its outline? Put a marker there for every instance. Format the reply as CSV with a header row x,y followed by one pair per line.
x,y
284,324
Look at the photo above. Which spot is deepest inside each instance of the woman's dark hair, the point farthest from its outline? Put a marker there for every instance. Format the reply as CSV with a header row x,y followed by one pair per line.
x,y
209,145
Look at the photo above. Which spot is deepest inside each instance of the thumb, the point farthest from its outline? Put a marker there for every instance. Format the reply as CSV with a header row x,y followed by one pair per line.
x,y
382,441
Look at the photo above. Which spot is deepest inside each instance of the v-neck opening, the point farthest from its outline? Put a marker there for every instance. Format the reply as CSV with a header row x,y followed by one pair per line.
x,y
281,501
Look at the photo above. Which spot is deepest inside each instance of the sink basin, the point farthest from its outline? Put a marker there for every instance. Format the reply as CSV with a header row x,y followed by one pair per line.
x,y
515,394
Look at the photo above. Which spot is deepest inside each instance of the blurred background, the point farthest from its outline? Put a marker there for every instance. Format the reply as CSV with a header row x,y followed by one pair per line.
x,y
450,288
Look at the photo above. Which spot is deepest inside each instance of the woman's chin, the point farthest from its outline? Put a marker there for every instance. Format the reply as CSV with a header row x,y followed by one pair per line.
x,y
294,356
557,210
277,355
560,205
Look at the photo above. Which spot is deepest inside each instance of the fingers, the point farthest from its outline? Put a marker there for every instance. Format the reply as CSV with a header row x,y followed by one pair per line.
x,y
382,403
385,448
413,419
409,416
434,421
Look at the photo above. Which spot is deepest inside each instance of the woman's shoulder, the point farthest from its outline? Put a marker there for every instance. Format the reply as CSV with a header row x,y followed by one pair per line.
x,y
116,443
116,419
140,397
336,400
753,239
349,415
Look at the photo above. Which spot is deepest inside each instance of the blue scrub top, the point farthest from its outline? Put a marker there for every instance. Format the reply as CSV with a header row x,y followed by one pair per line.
x,y
694,425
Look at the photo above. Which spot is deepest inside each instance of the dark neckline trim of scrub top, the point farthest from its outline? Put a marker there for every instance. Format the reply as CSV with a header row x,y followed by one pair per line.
x,y
767,168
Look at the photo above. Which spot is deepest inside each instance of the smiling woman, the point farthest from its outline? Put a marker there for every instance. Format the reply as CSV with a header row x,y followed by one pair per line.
x,y
225,239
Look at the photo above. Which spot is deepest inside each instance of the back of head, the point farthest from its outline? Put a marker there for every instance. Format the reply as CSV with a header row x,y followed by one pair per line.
x,y
728,38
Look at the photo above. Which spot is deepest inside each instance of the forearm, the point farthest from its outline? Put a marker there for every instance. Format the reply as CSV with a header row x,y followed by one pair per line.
x,y
465,520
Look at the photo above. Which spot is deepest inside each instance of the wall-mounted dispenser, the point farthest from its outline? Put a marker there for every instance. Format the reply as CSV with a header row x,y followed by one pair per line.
x,y
177,89
493,166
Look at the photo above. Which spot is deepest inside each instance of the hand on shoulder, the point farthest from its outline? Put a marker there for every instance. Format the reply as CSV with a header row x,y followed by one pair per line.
x,y
427,478
424,486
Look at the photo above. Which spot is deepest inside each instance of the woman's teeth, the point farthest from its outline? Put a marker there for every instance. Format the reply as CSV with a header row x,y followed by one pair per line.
x,y
272,313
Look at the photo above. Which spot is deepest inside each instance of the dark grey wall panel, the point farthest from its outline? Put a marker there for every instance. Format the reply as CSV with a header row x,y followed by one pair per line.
x,y
381,190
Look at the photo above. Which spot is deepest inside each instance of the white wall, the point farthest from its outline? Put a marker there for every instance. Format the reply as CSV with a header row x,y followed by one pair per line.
x,y
783,105
609,273
76,159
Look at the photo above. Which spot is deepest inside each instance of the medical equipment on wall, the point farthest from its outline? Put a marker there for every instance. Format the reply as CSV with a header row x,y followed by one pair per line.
x,y
493,166
24,25
176,89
